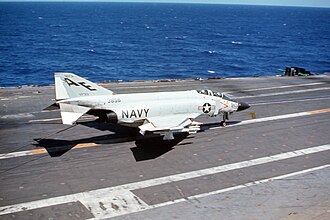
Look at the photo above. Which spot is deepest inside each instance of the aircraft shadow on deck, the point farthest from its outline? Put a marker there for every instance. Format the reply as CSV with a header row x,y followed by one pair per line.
x,y
208,126
151,148
146,147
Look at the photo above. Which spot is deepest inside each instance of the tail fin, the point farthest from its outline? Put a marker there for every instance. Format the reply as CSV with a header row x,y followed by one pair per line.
x,y
69,85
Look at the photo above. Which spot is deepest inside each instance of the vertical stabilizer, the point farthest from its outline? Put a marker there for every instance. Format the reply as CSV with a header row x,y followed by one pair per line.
x,y
69,85
60,90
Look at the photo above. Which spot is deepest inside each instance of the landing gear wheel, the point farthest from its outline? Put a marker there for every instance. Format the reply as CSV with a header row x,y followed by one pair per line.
x,y
224,118
223,124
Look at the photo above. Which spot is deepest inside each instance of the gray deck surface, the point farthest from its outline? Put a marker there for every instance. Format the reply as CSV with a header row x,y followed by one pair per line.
x,y
214,174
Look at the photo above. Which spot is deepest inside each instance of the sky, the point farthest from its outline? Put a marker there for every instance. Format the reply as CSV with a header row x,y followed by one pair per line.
x,y
305,3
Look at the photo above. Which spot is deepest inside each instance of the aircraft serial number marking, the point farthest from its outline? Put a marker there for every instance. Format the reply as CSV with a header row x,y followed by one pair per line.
x,y
114,100
138,113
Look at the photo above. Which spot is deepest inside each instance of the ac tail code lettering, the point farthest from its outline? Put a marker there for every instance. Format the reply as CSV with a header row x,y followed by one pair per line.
x,y
73,83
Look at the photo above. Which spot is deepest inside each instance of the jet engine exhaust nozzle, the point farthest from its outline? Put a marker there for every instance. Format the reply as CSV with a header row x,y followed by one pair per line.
x,y
242,106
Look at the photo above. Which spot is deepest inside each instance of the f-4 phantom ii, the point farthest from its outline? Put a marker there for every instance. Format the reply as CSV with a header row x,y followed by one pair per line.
x,y
163,113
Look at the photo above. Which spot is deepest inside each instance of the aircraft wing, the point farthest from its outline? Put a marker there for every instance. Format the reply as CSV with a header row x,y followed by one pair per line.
x,y
170,123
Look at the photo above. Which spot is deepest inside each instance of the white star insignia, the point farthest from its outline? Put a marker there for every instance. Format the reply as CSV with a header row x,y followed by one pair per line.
x,y
206,108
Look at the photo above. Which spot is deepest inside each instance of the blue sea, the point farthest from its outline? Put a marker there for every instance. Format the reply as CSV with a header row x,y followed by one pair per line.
x,y
138,41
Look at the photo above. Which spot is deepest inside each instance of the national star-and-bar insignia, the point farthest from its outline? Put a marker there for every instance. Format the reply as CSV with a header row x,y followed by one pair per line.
x,y
206,108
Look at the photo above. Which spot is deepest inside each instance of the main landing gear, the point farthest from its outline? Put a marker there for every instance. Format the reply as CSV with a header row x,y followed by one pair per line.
x,y
224,118
223,124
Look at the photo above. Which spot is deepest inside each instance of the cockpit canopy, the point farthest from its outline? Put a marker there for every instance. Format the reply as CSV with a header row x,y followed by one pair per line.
x,y
214,93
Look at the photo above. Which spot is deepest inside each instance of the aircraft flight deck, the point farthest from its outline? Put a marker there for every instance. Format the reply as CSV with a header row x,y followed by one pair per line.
x,y
270,161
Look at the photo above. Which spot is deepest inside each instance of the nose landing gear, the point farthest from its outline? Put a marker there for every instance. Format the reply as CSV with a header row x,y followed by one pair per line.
x,y
225,117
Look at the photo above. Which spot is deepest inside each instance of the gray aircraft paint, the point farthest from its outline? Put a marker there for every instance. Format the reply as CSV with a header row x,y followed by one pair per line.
x,y
164,112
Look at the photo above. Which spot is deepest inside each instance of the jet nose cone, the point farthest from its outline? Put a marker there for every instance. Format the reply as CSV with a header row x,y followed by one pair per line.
x,y
242,106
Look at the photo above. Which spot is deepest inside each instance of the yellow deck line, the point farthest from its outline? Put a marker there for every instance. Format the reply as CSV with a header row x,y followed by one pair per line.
x,y
77,146
326,110
84,145
38,151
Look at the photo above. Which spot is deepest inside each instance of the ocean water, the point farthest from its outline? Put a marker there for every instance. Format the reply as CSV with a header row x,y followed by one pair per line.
x,y
126,41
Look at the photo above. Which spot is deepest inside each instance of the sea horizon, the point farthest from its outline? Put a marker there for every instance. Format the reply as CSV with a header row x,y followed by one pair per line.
x,y
112,41
156,2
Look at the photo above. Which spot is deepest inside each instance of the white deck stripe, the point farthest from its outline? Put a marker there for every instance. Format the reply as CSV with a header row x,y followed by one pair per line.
x,y
248,90
45,120
225,168
272,118
251,121
192,84
282,87
240,186
15,154
289,101
282,93
119,200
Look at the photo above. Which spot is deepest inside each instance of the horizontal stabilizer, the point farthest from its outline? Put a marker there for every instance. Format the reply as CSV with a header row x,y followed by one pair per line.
x,y
71,113
54,106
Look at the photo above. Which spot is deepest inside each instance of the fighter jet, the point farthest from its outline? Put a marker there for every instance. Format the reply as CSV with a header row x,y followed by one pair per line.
x,y
163,113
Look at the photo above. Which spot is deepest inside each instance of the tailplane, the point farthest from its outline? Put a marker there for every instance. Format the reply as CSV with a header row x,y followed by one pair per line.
x,y
71,113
